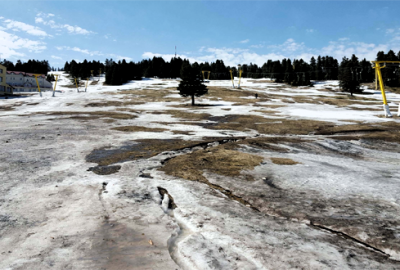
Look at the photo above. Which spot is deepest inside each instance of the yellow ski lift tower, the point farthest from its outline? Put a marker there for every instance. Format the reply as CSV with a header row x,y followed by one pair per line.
x,y
77,89
239,74
208,77
87,82
377,66
55,84
92,73
233,84
37,82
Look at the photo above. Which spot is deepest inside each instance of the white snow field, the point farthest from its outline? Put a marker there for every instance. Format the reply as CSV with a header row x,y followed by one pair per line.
x,y
133,177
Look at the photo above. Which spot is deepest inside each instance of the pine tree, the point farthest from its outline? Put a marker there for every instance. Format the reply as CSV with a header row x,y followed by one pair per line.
x,y
347,79
289,73
191,84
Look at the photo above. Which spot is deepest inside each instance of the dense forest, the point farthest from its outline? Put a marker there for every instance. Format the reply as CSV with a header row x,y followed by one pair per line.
x,y
295,72
32,66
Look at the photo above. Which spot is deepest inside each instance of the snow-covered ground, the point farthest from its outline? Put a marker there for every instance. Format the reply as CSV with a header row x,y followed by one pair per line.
x,y
325,196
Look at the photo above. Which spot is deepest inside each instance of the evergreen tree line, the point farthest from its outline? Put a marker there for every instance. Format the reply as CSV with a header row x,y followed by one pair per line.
x,y
83,70
391,73
296,72
32,66
120,72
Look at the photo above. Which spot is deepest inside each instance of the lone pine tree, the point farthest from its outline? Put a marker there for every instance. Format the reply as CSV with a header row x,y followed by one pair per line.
x,y
191,84
348,75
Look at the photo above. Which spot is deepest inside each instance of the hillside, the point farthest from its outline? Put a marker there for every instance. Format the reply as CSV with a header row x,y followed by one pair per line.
x,y
132,175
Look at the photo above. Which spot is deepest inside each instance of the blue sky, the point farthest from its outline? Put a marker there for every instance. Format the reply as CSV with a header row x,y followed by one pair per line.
x,y
235,31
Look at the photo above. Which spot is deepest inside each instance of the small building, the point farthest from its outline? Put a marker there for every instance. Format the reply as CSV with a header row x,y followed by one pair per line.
x,y
5,89
26,82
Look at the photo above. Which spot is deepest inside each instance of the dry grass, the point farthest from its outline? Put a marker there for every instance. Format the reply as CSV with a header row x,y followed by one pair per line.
x,y
147,95
7,108
113,103
91,115
267,126
182,132
218,160
271,143
185,115
139,129
387,136
283,161
236,96
143,149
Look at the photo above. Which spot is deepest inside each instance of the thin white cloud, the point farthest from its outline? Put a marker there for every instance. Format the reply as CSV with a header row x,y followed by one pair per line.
x,y
42,18
341,48
20,26
93,53
289,46
13,46
288,49
56,57
120,57
230,56
394,34
310,30
245,41
257,46
76,49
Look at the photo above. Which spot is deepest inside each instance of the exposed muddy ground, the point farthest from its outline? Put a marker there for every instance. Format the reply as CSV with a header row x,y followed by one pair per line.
x,y
136,178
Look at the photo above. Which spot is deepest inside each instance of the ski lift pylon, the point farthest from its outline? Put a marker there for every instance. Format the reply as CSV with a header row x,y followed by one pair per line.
x,y
208,75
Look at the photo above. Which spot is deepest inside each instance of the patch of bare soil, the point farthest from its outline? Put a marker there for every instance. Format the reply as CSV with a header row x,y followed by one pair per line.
x,y
94,82
185,115
361,129
113,104
147,95
198,106
266,126
283,161
139,149
7,108
139,129
273,144
91,115
236,96
12,107
339,100
182,132
218,160
105,170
